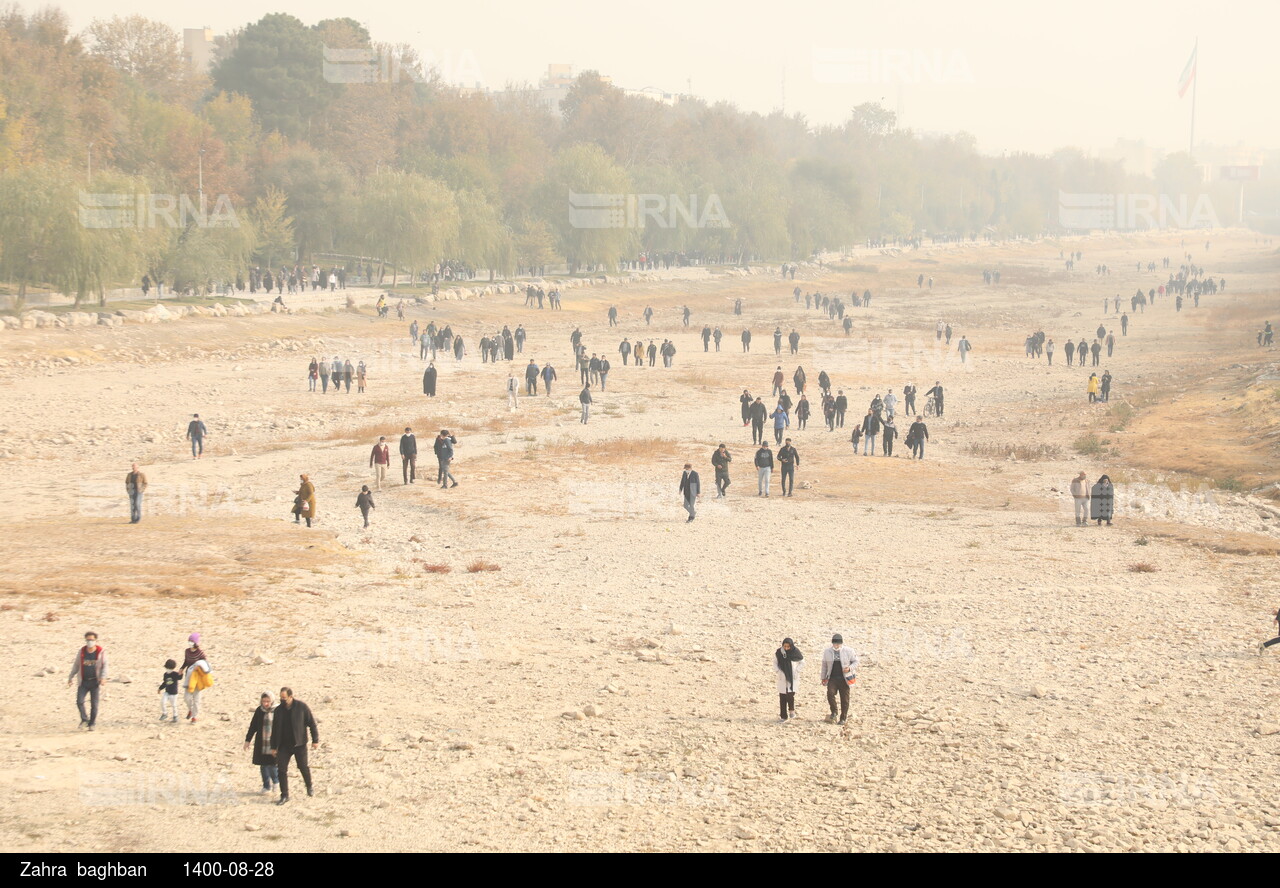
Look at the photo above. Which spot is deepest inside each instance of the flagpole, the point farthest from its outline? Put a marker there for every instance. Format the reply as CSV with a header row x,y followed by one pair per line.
x,y
1195,82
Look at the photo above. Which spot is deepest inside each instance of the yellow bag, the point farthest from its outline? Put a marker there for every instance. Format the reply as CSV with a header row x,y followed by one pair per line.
x,y
199,681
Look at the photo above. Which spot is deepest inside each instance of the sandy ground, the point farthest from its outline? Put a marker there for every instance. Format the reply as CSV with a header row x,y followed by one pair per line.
x,y
610,685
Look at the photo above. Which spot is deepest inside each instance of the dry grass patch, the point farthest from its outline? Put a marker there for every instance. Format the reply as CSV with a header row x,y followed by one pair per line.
x,y
479,565
164,556
613,451
437,568
1143,567
1020,452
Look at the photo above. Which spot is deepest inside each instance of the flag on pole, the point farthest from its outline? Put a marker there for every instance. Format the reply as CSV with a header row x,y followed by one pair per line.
x,y
1188,74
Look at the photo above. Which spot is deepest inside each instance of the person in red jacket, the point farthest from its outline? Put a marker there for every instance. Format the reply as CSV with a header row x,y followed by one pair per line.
x,y
90,668
379,460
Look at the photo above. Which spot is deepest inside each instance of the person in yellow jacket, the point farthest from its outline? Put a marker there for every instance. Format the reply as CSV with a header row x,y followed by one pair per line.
x,y
195,675
1093,387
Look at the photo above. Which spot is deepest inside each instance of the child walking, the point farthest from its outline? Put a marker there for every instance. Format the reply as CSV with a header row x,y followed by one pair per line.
x,y
169,690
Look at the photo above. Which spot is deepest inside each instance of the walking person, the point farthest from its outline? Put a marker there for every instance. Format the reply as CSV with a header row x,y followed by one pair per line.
x,y
690,490
839,671
196,676
788,459
1102,501
916,436
513,393
720,460
759,413
362,376
168,691
764,469
364,502
324,377
584,398
380,460
429,380
548,377
259,734
90,669
780,422
1080,499
313,374
787,665
135,484
964,348
888,433
289,727
443,446
409,456
531,378
196,431
870,429
1092,388
304,500
936,393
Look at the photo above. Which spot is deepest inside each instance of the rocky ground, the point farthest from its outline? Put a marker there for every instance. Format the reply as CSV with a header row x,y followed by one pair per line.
x,y
608,685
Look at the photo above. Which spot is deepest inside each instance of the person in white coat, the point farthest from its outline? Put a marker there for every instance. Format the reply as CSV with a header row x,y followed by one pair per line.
x,y
890,404
787,663
839,671
513,392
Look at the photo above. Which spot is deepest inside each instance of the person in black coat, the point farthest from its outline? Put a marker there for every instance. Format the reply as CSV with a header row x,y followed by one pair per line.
x,y
429,380
746,400
1102,501
259,734
289,726
690,490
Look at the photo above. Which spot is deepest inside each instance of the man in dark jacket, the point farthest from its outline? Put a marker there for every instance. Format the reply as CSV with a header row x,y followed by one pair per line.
x,y
888,432
916,436
936,392
690,490
788,458
409,455
289,727
196,431
842,404
443,447
759,413
870,429
548,377
720,460
584,398
531,378
746,340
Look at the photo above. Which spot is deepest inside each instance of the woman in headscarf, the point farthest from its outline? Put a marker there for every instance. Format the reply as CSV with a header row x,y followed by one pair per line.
x,y
787,663
304,500
195,675
260,735
313,373
1102,500
799,379
1092,389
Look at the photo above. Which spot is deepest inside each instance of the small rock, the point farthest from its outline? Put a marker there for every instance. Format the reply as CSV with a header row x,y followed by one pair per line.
x,y
591,710
745,833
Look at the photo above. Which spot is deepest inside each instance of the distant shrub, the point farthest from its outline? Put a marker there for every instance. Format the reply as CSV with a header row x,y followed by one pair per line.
x,y
1143,567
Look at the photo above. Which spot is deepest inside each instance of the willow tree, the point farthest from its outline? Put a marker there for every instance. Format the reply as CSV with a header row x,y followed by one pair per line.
x,y
405,220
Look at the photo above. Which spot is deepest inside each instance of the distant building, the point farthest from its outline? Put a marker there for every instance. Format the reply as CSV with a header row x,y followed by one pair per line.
x,y
197,46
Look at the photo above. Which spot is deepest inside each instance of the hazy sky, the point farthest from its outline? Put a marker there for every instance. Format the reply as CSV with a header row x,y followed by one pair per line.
x,y
1018,75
